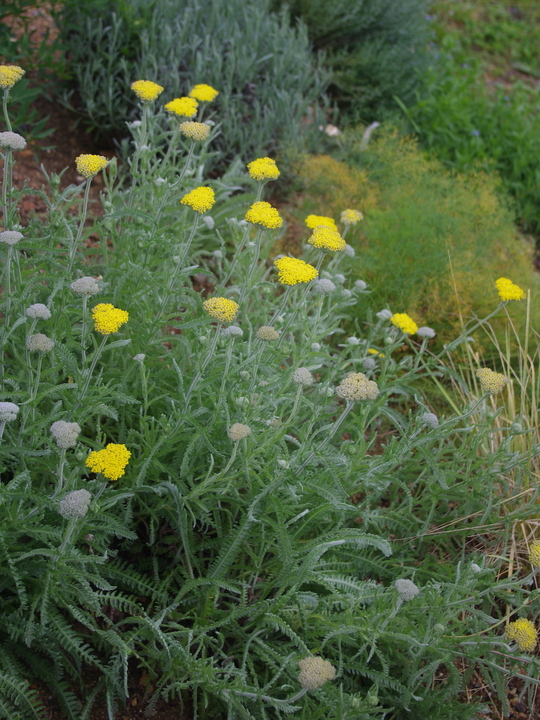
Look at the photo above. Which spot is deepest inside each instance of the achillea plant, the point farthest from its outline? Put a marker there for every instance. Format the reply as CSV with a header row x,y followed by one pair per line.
x,y
233,494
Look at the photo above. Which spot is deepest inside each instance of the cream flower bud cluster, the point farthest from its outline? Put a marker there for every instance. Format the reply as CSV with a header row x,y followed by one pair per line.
x,y
323,286
38,311
85,286
8,411
238,431
12,141
431,420
39,343
10,237
315,672
302,376
75,504
65,433
267,332
407,590
356,386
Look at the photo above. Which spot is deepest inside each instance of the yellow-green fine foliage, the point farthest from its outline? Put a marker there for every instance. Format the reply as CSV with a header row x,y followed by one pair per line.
x,y
431,243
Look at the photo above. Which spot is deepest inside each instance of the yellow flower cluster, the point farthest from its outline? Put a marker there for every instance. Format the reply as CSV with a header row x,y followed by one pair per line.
x,y
314,672
222,309
110,462
263,169
534,554
490,381
203,93
108,319
356,386
195,130
327,238
263,214
313,221
405,323
90,165
508,290
9,75
146,90
201,199
293,271
524,633
183,107
351,217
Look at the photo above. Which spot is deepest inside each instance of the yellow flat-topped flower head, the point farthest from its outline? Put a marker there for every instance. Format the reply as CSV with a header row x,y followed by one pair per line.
x,y
313,221
222,309
524,633
195,130
90,165
9,75
508,290
146,90
351,217
405,323
108,319
263,169
534,554
490,381
203,93
183,107
293,271
263,214
201,199
327,238
110,462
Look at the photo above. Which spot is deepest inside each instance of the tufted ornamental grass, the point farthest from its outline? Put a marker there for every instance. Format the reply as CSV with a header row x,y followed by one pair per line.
x,y
203,510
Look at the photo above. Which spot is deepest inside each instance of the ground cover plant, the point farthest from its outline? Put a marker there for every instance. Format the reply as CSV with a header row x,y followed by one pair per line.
x,y
217,488
479,105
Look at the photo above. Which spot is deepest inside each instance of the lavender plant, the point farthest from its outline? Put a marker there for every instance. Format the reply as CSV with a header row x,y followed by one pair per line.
x,y
220,493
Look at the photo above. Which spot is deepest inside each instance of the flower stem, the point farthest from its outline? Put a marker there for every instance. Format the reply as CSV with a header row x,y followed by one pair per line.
x,y
90,373
205,362
75,244
4,106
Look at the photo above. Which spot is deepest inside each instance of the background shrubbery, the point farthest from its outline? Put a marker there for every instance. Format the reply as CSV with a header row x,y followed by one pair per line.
x,y
270,84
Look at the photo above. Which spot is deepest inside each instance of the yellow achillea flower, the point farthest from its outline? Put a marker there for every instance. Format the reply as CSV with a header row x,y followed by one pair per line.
x,y
183,107
201,199
195,130
90,165
203,93
222,309
372,351
405,323
524,633
534,554
108,319
293,271
490,381
110,462
146,89
9,75
263,169
263,214
313,221
327,238
351,217
508,290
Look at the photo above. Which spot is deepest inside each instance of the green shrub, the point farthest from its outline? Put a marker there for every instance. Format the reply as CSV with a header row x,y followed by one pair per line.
x,y
469,126
432,242
263,68
375,49
220,556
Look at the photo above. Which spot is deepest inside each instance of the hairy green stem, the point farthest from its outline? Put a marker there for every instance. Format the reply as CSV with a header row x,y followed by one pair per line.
x,y
75,244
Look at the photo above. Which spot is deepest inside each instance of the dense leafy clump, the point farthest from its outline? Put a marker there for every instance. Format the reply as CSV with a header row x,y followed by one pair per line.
x,y
267,78
251,524
376,49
